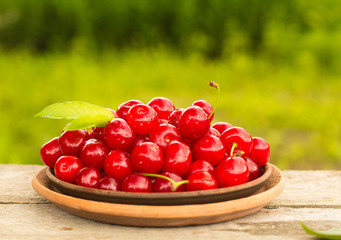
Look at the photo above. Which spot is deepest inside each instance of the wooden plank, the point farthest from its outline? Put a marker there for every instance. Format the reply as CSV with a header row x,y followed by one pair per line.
x,y
42,221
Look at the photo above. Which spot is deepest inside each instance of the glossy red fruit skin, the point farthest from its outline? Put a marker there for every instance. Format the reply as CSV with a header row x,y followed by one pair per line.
x,y
98,133
137,183
214,132
109,183
67,167
238,135
142,119
117,164
174,117
50,152
201,181
177,158
206,106
163,185
231,171
209,148
164,134
119,135
260,151
139,139
163,106
147,157
88,177
221,126
200,166
71,142
123,109
93,153
193,123
253,169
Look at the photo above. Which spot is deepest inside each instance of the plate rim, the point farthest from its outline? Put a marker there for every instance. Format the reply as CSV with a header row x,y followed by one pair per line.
x,y
162,215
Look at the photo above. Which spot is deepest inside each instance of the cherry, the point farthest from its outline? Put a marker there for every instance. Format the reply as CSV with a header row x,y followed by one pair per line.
x,y
206,106
137,183
200,166
50,152
147,157
93,153
123,109
139,139
119,135
209,148
98,133
221,126
109,183
201,181
71,142
260,151
239,136
177,158
163,185
163,106
214,132
164,134
174,117
67,167
231,171
253,169
163,121
142,119
117,164
88,177
193,123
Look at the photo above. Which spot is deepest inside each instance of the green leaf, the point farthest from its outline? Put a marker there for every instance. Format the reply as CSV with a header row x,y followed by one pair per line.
x,y
72,110
327,234
88,122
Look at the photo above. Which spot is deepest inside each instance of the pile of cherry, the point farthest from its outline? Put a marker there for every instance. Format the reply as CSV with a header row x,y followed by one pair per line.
x,y
156,148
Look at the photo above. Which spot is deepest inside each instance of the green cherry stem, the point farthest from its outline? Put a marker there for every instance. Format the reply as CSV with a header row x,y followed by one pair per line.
x,y
234,146
174,186
216,86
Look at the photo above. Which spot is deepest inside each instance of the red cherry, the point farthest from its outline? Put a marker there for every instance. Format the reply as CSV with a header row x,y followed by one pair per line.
x,y
193,123
93,153
201,181
174,117
177,158
98,133
260,151
163,106
236,135
214,132
209,148
221,126
109,183
117,164
71,142
163,121
231,171
139,139
88,177
123,109
50,152
147,157
200,166
253,169
163,185
137,183
206,106
164,134
142,119
67,167
119,135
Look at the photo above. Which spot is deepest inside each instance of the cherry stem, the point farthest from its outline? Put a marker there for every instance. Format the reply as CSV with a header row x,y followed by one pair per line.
x,y
234,146
216,86
239,154
175,185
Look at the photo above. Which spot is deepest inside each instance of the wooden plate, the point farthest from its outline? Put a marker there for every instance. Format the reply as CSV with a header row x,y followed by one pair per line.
x,y
173,198
161,216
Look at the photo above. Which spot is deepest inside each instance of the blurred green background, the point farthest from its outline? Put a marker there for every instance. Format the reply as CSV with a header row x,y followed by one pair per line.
x,y
277,62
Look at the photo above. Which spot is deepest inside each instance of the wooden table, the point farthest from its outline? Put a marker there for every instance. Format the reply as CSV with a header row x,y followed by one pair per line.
x,y
313,197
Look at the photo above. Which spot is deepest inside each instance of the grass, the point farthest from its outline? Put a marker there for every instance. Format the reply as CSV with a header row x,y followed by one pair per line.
x,y
294,107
